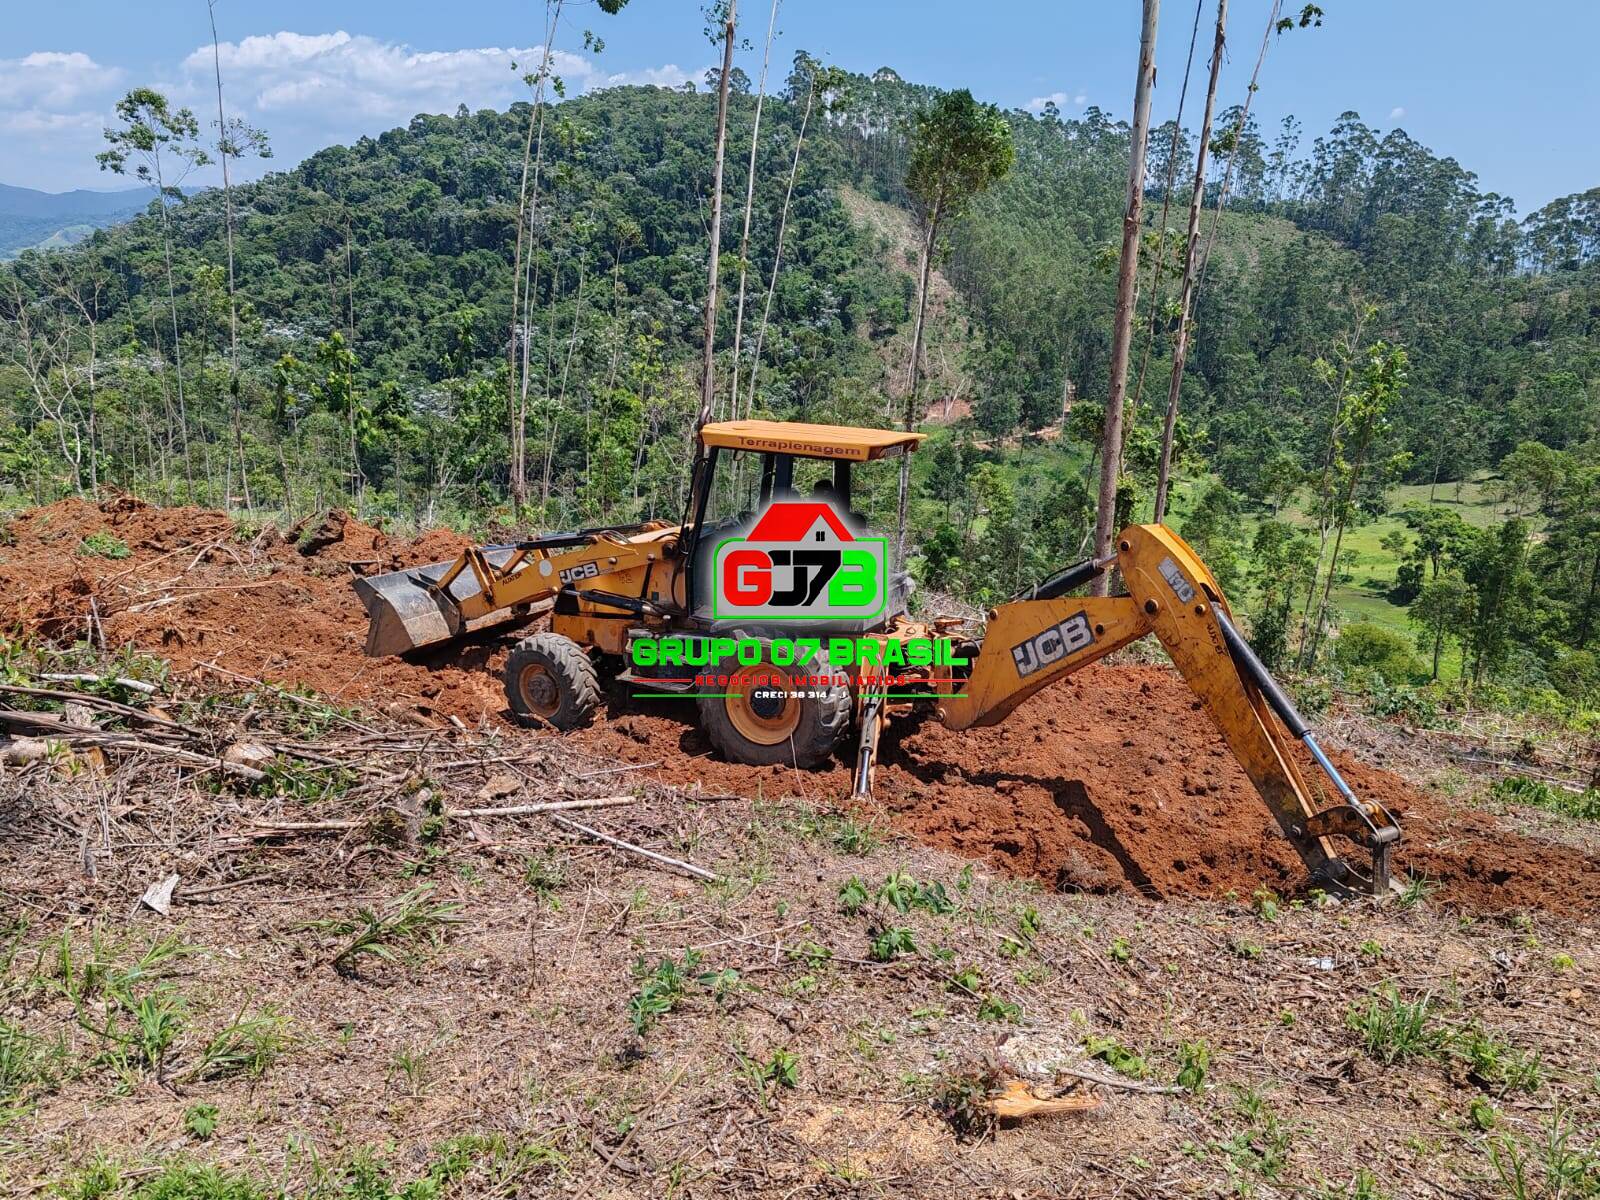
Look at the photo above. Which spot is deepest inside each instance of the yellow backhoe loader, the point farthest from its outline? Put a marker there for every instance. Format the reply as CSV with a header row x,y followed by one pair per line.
x,y
786,568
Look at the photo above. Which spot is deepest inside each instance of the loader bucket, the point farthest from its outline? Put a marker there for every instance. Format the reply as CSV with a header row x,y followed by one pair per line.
x,y
405,615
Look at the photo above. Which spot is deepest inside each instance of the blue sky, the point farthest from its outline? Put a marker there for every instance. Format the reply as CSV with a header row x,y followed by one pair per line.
x,y
1508,91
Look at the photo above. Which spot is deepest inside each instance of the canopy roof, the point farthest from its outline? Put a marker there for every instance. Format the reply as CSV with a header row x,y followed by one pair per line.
x,y
810,441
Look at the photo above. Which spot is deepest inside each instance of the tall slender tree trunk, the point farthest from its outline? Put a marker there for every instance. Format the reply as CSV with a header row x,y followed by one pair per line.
x,y
1238,130
177,340
1122,326
708,380
235,416
515,404
749,207
1329,457
1338,542
913,382
1156,272
1180,349
777,253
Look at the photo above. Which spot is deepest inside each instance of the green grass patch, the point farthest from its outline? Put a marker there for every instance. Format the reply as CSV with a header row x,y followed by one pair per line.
x,y
101,544
1520,789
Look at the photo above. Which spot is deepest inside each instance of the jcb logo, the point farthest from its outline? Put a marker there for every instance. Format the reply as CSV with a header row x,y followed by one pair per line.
x,y
586,570
800,562
1052,645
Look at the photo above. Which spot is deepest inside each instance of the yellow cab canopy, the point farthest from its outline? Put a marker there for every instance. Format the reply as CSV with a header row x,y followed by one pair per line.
x,y
809,441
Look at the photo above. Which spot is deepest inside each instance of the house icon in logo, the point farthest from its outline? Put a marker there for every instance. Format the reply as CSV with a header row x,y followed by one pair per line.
x,y
801,561
807,521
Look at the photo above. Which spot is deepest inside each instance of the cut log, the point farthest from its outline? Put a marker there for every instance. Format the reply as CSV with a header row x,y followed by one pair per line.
x,y
1016,1101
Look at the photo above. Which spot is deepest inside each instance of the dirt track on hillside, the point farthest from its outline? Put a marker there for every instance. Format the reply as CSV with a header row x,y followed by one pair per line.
x,y
1114,780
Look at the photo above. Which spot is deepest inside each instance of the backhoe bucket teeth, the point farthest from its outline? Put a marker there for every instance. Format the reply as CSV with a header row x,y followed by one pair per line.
x,y
406,613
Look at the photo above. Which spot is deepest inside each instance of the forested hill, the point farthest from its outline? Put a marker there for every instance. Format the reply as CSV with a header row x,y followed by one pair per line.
x,y
1500,319
404,240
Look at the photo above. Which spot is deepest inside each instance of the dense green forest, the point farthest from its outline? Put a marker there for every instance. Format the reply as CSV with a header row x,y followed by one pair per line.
x,y
1376,344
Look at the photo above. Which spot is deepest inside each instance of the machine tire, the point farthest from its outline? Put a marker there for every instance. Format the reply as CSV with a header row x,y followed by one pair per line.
x,y
802,732
550,680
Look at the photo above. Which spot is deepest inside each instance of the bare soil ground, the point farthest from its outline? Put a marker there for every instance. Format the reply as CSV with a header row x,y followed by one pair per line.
x,y
1072,894
1115,780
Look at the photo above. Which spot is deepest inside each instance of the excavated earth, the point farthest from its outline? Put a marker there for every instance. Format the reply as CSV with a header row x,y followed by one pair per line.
x,y
1115,780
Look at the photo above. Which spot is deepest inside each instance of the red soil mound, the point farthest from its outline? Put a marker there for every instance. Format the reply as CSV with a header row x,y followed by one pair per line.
x,y
1117,780
197,592
1114,780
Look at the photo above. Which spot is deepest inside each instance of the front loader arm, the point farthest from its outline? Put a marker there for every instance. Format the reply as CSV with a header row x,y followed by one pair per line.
x,y
535,572
1031,643
486,585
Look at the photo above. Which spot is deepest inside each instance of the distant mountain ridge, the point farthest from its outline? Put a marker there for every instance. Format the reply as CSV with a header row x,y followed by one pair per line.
x,y
80,202
29,217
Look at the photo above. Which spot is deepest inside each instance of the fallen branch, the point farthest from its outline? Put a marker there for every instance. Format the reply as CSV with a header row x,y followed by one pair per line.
x,y
137,685
75,736
676,864
618,770
522,810
1126,1085
90,700
324,709
270,828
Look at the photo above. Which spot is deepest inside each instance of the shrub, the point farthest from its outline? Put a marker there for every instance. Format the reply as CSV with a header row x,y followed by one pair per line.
x,y
1365,646
1576,675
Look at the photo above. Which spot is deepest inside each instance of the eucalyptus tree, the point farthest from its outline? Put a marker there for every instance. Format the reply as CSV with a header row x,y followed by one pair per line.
x,y
959,148
1365,416
749,208
162,146
1180,348
527,200
822,84
235,139
724,13
1127,280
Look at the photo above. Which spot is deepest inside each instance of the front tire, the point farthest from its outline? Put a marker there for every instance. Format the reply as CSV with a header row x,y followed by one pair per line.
x,y
764,718
550,680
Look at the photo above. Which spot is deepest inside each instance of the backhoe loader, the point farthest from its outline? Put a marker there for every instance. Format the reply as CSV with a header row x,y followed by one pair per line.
x,y
743,611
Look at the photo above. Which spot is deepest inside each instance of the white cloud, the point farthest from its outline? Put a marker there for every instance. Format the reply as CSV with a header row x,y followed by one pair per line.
x,y
354,74
36,121
53,106
1059,99
669,76
1396,113
52,80
309,90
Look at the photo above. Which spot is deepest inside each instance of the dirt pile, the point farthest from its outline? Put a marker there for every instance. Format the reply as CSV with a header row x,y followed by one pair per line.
x,y
1117,780
196,591
1113,780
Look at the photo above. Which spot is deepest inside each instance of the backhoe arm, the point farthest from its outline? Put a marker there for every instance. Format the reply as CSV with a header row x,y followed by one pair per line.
x,y
1033,642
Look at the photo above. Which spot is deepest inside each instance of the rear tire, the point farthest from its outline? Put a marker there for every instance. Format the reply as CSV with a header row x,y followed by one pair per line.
x,y
550,680
761,723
